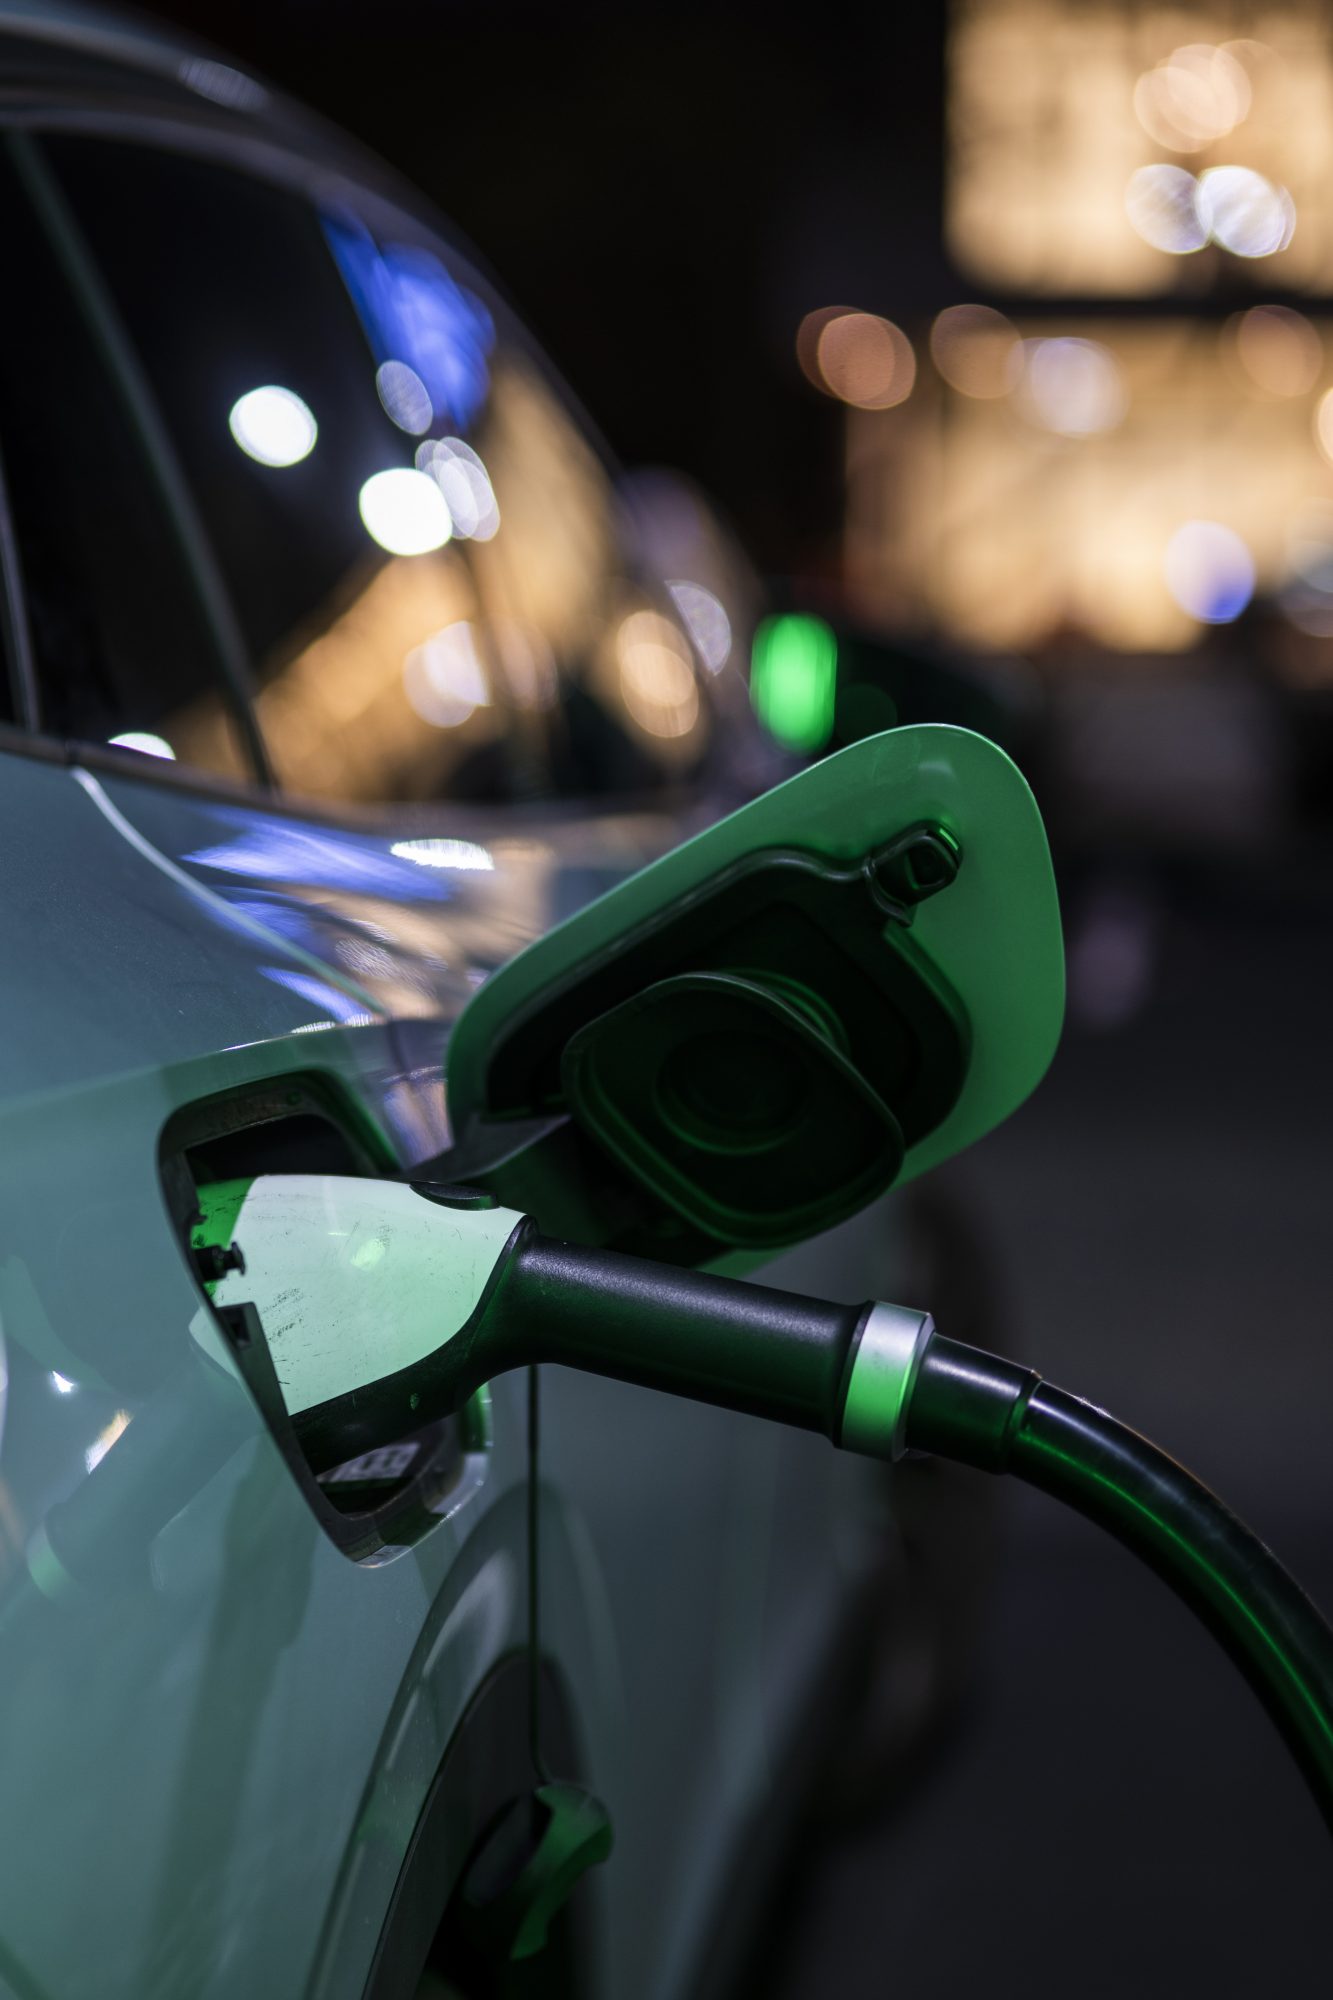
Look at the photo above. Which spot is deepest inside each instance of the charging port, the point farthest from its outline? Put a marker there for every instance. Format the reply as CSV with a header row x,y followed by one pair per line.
x,y
374,1505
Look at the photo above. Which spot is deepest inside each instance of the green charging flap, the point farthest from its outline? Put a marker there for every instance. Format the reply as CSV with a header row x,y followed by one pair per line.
x,y
846,981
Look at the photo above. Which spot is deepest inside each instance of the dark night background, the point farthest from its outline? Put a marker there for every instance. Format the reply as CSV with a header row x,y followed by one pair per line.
x,y
663,195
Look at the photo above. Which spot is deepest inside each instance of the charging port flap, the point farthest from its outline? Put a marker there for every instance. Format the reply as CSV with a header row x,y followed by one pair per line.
x,y
839,985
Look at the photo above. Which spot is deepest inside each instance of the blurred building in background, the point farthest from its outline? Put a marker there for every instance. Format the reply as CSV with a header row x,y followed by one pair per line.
x,y
999,332
1110,450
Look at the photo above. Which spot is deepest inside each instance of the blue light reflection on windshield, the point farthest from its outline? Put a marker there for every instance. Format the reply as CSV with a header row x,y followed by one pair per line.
x,y
413,311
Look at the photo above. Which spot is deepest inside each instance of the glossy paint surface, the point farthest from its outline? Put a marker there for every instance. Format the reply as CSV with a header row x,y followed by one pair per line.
x,y
210,1698
225,1734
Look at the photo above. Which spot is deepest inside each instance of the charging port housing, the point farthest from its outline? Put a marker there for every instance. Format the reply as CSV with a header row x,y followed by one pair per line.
x,y
380,1503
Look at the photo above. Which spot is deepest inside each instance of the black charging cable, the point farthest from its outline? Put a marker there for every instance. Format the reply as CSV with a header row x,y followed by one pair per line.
x,y
874,1378
981,1411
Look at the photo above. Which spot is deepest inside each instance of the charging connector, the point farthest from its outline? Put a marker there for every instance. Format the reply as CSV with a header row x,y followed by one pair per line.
x,y
386,1305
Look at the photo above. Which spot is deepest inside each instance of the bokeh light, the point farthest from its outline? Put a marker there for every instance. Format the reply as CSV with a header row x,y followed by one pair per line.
x,y
656,677
444,678
1209,571
1245,213
1070,385
971,347
794,679
273,426
857,357
405,397
867,361
1323,424
432,851
462,478
1279,349
405,512
1162,203
706,617
807,340
1198,95
145,742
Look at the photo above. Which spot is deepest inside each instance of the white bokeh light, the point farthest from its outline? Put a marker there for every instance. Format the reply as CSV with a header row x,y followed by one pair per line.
x,y
144,741
1070,386
273,426
434,852
1209,571
444,678
404,396
1161,202
462,478
710,627
1245,213
405,512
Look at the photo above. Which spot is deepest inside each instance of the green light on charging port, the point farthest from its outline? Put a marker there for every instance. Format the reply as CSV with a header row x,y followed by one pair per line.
x,y
793,679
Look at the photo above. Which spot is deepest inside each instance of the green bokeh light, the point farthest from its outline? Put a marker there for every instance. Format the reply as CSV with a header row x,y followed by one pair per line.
x,y
793,679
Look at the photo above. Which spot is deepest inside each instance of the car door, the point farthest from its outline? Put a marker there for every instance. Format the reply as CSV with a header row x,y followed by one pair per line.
x,y
293,500
197,1679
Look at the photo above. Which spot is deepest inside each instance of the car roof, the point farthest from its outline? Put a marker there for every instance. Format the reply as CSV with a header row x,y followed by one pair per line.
x,y
130,39
67,47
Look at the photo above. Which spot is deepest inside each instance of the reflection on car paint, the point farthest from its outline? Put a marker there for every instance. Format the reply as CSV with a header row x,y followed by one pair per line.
x,y
266,848
319,993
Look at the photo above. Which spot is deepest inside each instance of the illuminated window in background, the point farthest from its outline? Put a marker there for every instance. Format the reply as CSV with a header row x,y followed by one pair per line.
x,y
1131,500
1098,148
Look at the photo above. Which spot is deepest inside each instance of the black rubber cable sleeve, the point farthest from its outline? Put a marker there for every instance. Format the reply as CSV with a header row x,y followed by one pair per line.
x,y
720,1340
1211,1560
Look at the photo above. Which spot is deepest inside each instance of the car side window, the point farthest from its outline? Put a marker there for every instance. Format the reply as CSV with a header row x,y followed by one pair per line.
x,y
11,643
422,549
121,644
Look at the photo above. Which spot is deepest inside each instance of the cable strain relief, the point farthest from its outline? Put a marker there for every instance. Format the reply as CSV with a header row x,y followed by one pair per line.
x,y
967,1405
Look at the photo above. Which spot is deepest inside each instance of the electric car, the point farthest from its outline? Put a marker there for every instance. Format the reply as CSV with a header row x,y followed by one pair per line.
x,y
335,675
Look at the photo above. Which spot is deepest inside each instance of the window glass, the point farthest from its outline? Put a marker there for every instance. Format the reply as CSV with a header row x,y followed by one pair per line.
x,y
9,645
422,549
119,638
